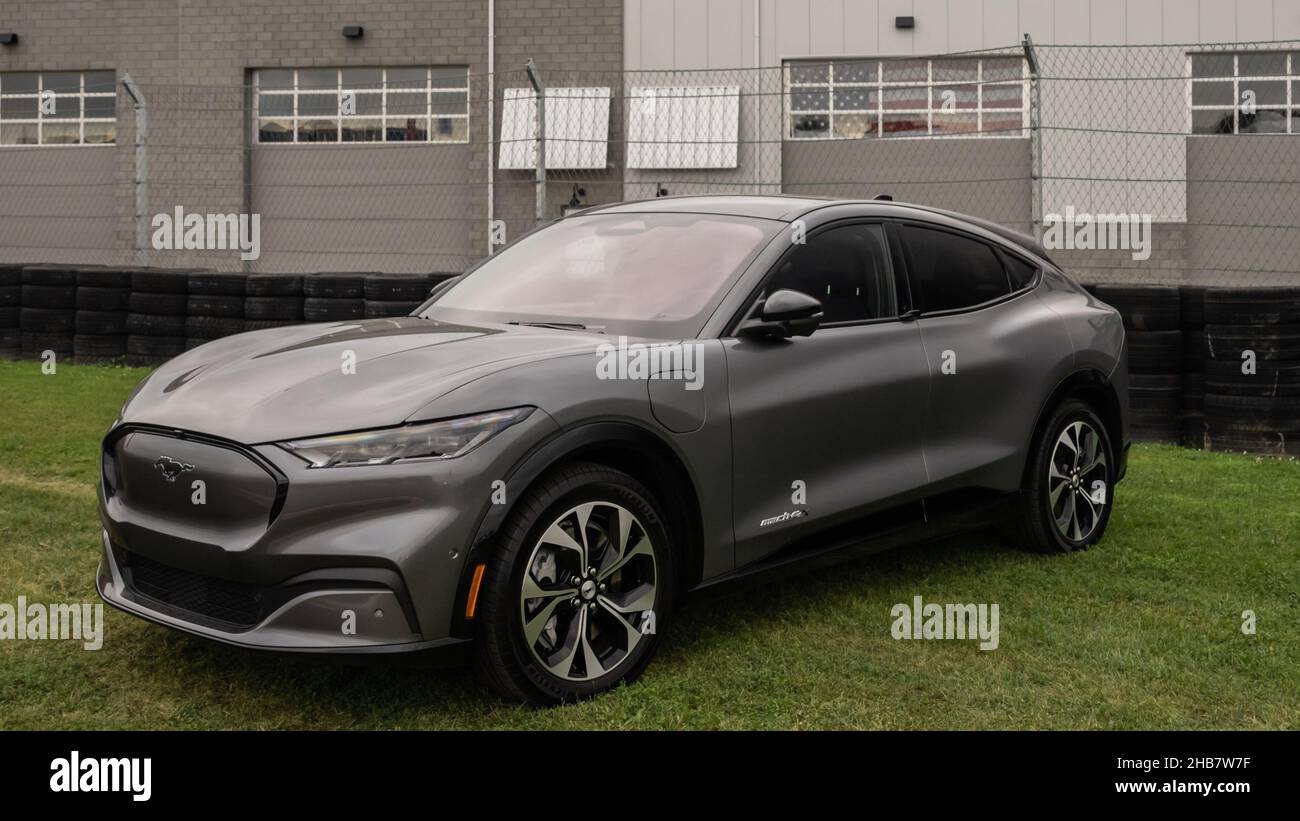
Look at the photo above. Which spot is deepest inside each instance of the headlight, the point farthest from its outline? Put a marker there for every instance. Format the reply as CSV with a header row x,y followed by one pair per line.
x,y
442,440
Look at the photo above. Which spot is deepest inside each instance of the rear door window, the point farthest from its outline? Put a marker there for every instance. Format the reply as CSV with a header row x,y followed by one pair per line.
x,y
949,271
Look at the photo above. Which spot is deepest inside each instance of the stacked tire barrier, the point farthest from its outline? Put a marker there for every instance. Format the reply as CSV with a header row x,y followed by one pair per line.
x,y
1153,324
334,297
215,307
398,295
272,301
102,300
11,290
48,314
155,323
1252,369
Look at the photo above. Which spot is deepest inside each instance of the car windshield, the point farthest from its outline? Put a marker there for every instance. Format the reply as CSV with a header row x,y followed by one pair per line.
x,y
649,274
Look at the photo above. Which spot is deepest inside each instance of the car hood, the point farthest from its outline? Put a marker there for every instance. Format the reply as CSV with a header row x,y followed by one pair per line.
x,y
305,380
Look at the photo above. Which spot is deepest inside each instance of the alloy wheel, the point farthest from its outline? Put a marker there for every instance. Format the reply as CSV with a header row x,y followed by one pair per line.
x,y
1077,481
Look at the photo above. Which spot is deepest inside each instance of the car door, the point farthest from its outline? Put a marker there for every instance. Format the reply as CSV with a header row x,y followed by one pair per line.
x,y
827,428
986,338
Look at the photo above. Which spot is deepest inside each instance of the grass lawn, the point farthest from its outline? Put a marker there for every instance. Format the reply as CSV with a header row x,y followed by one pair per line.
x,y
1140,632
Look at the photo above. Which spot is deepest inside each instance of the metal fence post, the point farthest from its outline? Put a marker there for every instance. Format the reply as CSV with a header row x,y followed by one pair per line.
x,y
141,170
535,77
1035,136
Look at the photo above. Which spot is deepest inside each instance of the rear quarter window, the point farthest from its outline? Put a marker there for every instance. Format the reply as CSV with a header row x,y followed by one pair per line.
x,y
949,271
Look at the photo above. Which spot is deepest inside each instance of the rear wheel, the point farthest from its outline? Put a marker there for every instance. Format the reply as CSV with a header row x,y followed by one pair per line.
x,y
578,589
1068,490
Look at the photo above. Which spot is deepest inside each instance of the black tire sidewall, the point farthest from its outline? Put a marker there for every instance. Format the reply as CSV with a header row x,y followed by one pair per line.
x,y
1045,522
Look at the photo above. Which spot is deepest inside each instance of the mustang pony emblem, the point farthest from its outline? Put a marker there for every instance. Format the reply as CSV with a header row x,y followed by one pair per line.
x,y
171,468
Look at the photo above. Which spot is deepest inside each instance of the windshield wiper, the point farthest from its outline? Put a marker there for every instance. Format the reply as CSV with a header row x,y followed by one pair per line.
x,y
562,326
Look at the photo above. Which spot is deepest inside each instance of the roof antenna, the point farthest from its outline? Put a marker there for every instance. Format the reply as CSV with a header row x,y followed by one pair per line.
x,y
885,197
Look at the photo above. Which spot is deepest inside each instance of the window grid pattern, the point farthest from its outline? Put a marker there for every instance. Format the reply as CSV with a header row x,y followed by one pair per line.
x,y
58,108
1245,93
941,97
362,105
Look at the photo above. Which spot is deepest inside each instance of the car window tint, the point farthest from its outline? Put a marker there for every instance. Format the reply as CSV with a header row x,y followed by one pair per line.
x,y
950,271
846,269
1020,272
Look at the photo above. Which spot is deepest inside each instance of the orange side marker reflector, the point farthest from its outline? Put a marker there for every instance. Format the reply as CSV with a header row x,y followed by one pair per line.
x,y
472,602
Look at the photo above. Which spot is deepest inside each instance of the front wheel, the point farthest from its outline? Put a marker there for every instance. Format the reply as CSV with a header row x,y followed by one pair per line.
x,y
1068,489
577,590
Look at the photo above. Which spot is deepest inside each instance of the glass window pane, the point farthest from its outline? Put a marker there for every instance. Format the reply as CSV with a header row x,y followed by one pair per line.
x,y
318,131
855,126
1211,65
949,271
956,69
61,82
949,124
18,133
275,131
407,129
904,125
318,78
408,77
19,108
909,98
1266,92
363,78
952,96
101,81
310,105
856,72
809,72
19,83
809,100
855,99
1261,65
452,102
846,269
407,102
64,107
897,71
450,129
803,126
275,78
450,77
361,102
60,134
275,105
101,106
1212,122
363,131
1004,96
1263,121
1212,94
1004,68
98,133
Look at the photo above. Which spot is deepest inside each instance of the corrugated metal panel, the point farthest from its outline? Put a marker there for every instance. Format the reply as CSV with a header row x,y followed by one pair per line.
x,y
577,128
683,127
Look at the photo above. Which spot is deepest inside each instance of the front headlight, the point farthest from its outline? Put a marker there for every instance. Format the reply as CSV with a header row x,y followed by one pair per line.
x,y
442,440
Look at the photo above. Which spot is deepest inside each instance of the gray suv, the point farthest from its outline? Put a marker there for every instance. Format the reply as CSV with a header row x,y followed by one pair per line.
x,y
620,408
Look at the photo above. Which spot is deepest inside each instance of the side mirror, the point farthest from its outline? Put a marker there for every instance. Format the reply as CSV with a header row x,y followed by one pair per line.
x,y
784,314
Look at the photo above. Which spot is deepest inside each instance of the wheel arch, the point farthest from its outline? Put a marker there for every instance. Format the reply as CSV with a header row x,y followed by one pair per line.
x,y
1093,387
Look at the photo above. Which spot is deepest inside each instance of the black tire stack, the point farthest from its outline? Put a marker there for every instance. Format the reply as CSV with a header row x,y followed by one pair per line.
x,y
398,294
334,297
155,324
272,301
48,316
1152,320
1192,434
1252,369
215,307
11,300
102,300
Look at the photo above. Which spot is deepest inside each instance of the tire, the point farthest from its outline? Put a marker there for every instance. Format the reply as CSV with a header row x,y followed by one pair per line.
x,y
1194,350
47,320
388,308
1155,351
94,298
155,325
11,275
158,281
263,324
504,659
215,306
136,360
212,327
335,285
11,296
163,347
273,307
332,310
34,343
1253,414
273,285
1037,528
104,277
211,283
10,317
1193,304
49,275
1271,343
1252,306
1275,443
49,296
1269,379
1144,307
148,302
99,346
100,322
397,287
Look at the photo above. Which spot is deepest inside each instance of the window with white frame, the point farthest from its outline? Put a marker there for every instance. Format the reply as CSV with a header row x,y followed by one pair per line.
x,y
1245,93
939,97
419,104
58,108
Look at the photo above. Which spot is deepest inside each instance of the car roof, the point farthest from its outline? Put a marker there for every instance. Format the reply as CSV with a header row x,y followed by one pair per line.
x,y
787,208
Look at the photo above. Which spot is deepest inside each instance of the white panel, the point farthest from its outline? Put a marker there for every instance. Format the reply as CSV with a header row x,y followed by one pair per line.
x,y
683,127
1108,22
727,35
892,40
1218,21
1286,21
1255,19
1036,19
791,30
1181,23
691,39
1072,23
861,27
632,34
656,34
931,33
1143,23
826,26
577,128
1001,23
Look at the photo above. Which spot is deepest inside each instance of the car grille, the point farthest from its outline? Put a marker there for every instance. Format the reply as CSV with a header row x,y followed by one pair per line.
x,y
201,599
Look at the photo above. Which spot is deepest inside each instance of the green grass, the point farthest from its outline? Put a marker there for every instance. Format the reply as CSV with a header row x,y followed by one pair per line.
x,y
1140,632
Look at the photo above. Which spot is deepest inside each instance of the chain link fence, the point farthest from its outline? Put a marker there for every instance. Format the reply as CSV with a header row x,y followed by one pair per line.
x,y
1136,164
